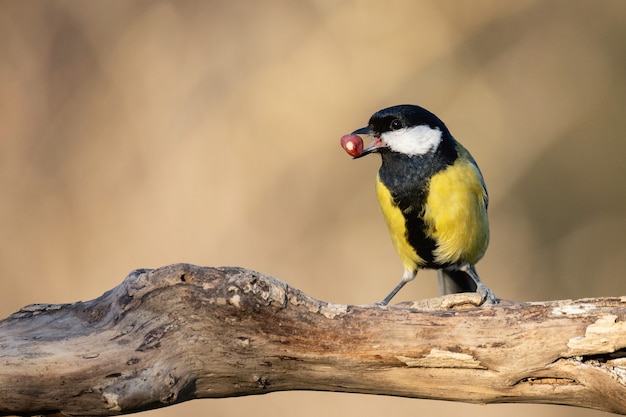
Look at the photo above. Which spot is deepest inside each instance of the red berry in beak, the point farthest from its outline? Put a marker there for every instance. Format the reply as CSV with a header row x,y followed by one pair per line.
x,y
352,144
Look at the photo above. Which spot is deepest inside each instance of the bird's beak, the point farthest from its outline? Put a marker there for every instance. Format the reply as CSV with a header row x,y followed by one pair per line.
x,y
362,131
374,146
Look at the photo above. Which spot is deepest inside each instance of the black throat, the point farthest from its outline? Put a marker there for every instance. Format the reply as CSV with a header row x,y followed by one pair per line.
x,y
407,177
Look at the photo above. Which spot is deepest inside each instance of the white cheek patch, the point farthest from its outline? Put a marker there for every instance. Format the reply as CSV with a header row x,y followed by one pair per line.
x,y
416,140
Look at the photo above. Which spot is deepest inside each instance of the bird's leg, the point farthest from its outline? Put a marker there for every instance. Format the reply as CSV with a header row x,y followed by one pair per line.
x,y
408,275
481,288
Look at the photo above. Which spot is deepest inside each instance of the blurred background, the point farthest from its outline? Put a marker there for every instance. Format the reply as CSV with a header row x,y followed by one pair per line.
x,y
144,133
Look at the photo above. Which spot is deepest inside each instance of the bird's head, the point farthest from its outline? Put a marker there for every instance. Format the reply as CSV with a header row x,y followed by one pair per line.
x,y
405,129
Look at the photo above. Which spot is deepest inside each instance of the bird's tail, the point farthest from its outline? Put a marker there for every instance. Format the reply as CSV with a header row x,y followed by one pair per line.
x,y
454,280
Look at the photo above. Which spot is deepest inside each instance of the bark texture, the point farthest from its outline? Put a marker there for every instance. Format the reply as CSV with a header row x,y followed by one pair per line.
x,y
183,332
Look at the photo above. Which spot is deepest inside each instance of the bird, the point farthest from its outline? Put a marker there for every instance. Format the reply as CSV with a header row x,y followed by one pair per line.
x,y
433,198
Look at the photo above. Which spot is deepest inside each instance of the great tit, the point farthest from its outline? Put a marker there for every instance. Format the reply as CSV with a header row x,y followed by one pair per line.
x,y
433,197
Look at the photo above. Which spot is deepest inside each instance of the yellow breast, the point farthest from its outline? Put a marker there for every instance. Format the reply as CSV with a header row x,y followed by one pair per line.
x,y
397,227
455,212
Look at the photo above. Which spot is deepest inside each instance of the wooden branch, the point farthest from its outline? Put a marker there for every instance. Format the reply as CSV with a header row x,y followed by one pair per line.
x,y
183,332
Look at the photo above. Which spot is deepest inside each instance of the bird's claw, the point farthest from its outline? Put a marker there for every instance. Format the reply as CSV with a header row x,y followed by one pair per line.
x,y
487,295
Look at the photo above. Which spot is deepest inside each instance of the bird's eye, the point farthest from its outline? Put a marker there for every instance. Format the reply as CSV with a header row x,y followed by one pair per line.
x,y
396,124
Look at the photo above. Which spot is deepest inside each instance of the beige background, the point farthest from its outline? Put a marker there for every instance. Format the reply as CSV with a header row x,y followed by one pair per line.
x,y
139,134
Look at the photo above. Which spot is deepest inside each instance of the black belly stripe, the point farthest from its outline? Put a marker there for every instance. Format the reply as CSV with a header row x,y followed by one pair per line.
x,y
407,178
416,231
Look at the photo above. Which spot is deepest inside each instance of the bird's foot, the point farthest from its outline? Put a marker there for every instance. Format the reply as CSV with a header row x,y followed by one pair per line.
x,y
486,294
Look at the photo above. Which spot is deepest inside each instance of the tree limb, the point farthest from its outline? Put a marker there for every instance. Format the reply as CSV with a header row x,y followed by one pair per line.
x,y
183,332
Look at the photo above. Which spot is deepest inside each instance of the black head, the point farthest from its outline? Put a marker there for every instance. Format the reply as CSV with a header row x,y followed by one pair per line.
x,y
406,129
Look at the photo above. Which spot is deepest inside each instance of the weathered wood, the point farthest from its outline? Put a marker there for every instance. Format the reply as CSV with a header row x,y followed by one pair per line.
x,y
182,332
